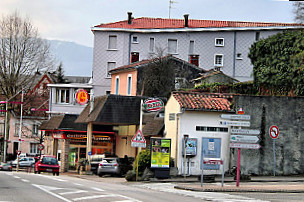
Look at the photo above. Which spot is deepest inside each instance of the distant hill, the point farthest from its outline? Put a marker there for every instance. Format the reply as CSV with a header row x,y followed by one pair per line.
x,y
77,59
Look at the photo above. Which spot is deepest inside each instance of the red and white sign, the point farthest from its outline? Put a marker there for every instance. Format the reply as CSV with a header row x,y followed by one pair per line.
x,y
274,132
18,153
40,147
138,140
82,97
244,146
153,105
213,161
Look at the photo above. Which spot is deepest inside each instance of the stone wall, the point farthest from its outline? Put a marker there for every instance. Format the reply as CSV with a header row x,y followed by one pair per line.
x,y
287,114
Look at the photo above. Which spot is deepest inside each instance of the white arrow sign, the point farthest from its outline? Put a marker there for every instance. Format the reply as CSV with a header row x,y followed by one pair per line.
x,y
244,146
244,138
235,123
245,131
235,116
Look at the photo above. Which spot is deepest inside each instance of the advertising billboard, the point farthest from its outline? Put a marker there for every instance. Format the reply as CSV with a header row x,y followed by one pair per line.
x,y
160,152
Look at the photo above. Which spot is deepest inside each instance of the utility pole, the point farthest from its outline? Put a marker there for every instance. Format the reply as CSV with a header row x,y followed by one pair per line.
x,y
20,127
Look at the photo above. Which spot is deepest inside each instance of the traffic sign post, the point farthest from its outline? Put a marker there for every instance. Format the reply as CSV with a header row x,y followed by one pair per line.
x,y
138,140
244,139
274,134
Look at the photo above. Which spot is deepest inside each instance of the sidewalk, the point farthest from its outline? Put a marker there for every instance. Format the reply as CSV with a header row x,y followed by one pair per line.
x,y
266,184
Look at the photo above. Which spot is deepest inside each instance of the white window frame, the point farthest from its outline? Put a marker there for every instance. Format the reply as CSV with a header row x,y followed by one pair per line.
x,y
218,44
134,37
112,46
117,85
222,63
35,148
35,130
174,52
151,47
129,84
239,57
58,97
110,68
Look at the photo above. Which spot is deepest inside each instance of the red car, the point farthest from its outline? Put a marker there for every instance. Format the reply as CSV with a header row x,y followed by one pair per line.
x,y
47,163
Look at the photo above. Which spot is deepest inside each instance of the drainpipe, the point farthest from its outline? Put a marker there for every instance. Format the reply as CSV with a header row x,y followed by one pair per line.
x,y
234,53
129,54
177,137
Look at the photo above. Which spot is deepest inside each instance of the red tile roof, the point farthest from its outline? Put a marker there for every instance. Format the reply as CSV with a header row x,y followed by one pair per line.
x,y
202,101
161,23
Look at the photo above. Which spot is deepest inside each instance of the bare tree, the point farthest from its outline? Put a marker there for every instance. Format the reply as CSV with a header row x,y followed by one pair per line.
x,y
22,54
298,10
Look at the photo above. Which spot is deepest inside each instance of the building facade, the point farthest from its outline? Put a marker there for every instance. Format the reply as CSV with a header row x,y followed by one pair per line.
x,y
208,44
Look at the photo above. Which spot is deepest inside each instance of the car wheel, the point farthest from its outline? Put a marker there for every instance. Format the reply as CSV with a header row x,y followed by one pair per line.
x,y
38,172
35,171
100,174
57,174
54,174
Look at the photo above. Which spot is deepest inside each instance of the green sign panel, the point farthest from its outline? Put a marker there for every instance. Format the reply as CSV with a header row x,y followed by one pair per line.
x,y
160,153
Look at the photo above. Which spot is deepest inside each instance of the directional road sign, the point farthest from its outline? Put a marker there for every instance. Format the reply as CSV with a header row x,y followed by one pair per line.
x,y
245,131
235,123
244,138
235,116
244,146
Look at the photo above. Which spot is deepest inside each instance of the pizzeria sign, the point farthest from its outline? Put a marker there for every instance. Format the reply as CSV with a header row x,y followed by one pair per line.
x,y
153,105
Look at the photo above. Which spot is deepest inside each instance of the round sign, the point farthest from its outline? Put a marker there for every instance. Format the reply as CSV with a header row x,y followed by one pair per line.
x,y
274,132
40,147
18,153
82,97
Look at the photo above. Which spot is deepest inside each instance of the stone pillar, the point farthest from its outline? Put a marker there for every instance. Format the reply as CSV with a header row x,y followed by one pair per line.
x,y
65,155
89,144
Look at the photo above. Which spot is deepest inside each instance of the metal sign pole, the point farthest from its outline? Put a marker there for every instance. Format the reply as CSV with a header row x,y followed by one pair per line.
x,y
140,128
238,168
274,158
223,173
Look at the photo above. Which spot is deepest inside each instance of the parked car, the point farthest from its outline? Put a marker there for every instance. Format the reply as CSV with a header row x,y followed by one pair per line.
x,y
24,162
95,160
114,166
6,166
47,163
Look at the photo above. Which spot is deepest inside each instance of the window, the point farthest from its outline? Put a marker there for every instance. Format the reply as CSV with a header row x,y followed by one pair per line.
x,y
35,130
62,96
152,44
34,148
191,47
17,126
171,116
218,60
2,109
117,85
112,43
134,39
239,56
172,46
219,42
257,36
110,66
134,57
194,59
129,84
2,128
211,129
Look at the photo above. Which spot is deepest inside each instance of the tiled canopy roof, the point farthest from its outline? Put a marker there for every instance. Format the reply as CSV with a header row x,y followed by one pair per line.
x,y
202,101
160,23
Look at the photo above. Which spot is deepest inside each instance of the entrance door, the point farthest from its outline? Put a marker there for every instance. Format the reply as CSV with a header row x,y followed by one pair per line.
x,y
211,148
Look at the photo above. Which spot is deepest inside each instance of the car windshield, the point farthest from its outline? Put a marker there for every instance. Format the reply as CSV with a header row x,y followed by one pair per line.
x,y
49,161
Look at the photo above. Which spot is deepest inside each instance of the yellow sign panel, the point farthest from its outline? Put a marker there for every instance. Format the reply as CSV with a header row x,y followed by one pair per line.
x,y
160,153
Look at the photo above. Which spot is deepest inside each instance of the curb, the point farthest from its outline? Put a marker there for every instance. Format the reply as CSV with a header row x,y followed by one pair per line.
x,y
237,190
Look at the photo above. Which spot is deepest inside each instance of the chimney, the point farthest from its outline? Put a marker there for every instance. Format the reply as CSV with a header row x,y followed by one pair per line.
x,y
186,21
129,18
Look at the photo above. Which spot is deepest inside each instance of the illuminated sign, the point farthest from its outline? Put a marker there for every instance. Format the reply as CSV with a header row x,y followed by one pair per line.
x,y
82,97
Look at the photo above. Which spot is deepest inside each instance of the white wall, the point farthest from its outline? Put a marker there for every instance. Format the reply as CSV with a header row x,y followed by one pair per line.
x,y
188,122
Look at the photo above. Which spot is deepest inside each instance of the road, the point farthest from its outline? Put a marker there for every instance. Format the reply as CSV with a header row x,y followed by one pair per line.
x,y
29,187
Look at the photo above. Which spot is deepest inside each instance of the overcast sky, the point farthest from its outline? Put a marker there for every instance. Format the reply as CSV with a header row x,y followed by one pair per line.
x,y
71,20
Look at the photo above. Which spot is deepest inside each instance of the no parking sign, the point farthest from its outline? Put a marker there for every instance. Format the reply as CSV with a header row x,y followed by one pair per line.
x,y
274,132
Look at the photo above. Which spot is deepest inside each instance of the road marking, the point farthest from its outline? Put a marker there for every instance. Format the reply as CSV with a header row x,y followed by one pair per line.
x,y
17,177
24,180
77,184
53,178
47,191
97,189
94,196
73,192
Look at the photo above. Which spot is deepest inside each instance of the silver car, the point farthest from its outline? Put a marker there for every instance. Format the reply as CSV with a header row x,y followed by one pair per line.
x,y
24,162
114,166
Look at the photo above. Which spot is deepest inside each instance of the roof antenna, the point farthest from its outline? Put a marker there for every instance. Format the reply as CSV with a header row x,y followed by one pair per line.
x,y
170,6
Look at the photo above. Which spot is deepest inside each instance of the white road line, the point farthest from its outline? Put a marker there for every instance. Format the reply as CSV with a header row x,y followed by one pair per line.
x,y
95,196
53,178
47,191
129,198
24,180
17,177
97,189
72,192
77,184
